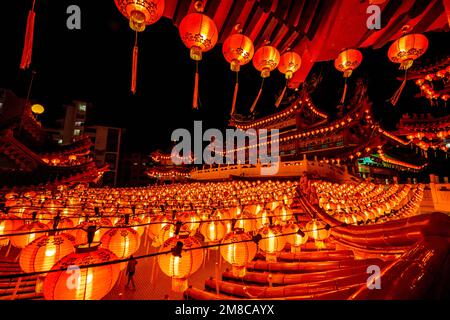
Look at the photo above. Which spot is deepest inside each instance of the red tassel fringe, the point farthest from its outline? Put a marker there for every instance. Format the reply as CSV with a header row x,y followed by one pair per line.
x,y
195,99
28,43
134,69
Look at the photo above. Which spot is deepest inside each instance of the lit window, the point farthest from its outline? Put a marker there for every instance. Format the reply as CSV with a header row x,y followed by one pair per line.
x,y
76,132
60,141
82,107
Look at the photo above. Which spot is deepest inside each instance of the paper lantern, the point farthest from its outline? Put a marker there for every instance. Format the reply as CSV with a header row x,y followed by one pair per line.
x,y
213,231
238,50
236,252
81,233
42,253
199,34
123,242
272,241
282,214
157,223
141,13
266,59
87,283
347,61
246,222
21,241
135,223
191,221
180,267
290,62
317,230
293,237
8,224
407,49
264,219
404,51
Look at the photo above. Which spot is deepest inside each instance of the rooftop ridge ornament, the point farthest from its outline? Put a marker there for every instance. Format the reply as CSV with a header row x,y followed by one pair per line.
x,y
140,14
199,34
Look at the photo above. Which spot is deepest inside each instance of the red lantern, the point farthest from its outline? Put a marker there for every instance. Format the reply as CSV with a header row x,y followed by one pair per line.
x,y
87,283
42,254
347,61
140,13
407,49
199,34
123,242
273,241
404,51
237,252
289,63
21,241
238,50
8,224
180,267
265,60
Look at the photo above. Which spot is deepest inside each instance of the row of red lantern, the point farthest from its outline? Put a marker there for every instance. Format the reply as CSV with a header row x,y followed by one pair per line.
x,y
404,51
199,34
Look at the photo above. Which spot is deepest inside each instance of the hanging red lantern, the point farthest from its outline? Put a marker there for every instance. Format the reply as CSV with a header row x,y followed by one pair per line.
x,y
180,265
199,34
347,61
265,60
404,51
238,50
290,62
84,283
140,14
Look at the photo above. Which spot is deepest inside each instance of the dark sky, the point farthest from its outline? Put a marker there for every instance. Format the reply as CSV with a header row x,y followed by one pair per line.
x,y
94,64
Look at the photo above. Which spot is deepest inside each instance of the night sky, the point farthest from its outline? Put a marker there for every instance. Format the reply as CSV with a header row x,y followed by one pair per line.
x,y
94,64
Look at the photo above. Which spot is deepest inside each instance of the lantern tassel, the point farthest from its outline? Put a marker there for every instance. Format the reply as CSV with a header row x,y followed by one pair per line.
x,y
397,93
28,42
195,99
257,97
344,93
280,98
236,88
134,66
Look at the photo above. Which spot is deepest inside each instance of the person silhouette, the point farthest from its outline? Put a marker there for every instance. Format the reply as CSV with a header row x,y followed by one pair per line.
x,y
131,269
